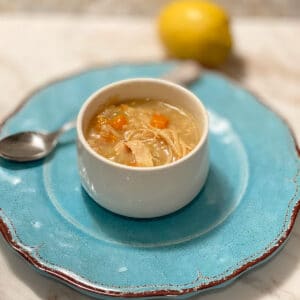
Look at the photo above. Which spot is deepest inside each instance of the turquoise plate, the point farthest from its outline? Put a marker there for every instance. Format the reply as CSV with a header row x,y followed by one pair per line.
x,y
243,215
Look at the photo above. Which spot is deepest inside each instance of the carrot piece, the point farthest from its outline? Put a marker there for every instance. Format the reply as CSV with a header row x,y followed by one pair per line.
x,y
108,137
118,122
159,121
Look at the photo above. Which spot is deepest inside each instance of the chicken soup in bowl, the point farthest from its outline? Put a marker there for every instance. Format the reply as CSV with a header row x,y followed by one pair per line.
x,y
143,132
142,147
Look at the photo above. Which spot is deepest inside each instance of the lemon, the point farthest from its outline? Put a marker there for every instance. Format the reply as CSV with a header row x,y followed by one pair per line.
x,y
196,29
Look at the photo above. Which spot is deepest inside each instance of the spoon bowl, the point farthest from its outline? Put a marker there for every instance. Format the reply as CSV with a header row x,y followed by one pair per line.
x,y
27,146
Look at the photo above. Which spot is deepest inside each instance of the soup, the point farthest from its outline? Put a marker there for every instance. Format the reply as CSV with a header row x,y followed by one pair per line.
x,y
143,133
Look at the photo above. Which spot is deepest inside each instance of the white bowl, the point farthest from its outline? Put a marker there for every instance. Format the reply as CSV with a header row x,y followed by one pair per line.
x,y
143,192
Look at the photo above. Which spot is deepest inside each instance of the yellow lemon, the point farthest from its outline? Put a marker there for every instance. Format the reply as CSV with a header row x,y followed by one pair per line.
x,y
196,29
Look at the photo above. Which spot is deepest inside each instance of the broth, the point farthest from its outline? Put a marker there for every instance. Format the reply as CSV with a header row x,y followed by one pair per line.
x,y
143,132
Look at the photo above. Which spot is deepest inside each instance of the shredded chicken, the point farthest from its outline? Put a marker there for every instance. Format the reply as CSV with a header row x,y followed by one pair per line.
x,y
170,141
142,154
140,134
122,151
177,147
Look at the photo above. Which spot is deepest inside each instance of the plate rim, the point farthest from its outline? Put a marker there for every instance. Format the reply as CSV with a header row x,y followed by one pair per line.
x,y
97,291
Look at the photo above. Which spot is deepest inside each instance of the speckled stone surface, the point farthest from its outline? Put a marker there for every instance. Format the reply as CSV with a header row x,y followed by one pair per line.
x,y
34,50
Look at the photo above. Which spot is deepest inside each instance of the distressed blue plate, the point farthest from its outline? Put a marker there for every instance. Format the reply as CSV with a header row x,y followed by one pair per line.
x,y
243,215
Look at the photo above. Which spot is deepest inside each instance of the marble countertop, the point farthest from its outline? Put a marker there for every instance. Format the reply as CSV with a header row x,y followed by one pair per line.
x,y
37,49
148,8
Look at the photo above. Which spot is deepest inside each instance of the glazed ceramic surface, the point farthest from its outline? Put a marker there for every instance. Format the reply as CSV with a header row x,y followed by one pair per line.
x,y
143,192
242,216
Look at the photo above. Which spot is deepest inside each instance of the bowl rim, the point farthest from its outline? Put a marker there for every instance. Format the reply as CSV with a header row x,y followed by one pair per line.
x,y
93,97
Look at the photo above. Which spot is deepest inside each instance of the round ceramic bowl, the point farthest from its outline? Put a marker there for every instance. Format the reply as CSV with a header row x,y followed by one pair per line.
x,y
143,192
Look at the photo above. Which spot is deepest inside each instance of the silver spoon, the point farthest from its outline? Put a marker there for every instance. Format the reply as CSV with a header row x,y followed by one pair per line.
x,y
32,145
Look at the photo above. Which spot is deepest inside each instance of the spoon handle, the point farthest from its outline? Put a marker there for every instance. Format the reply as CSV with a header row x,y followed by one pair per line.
x,y
184,73
66,127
